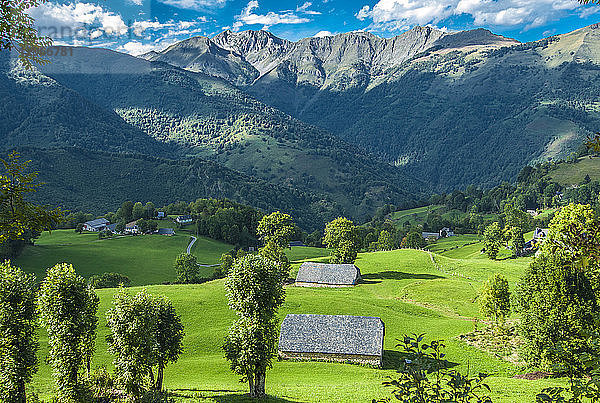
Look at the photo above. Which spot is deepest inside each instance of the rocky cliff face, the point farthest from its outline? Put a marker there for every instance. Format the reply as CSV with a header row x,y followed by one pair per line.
x,y
244,58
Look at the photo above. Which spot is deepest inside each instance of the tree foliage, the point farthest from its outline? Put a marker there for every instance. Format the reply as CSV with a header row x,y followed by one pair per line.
x,y
341,236
17,215
424,376
255,291
18,340
493,239
186,268
276,230
494,298
558,296
18,32
146,333
68,308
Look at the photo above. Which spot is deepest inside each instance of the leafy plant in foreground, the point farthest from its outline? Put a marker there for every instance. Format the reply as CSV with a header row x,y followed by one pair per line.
x,y
425,377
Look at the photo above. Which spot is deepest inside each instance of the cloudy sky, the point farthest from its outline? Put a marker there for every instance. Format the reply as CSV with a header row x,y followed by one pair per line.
x,y
137,26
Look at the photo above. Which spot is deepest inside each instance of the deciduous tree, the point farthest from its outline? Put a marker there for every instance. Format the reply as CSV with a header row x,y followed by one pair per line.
x,y
341,236
494,298
17,215
255,291
385,240
169,337
493,240
275,231
68,308
18,32
186,267
133,323
18,341
558,296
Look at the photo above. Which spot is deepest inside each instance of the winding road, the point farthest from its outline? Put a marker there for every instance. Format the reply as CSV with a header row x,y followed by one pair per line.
x,y
189,249
192,242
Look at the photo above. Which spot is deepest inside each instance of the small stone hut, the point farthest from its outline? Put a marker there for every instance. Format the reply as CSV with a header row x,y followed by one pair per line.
x,y
340,338
327,275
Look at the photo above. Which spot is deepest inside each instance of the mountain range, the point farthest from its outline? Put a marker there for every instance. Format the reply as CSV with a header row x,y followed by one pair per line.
x,y
451,108
340,124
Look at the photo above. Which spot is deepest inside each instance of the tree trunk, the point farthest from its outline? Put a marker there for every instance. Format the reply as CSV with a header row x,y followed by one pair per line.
x,y
159,377
21,393
260,384
251,385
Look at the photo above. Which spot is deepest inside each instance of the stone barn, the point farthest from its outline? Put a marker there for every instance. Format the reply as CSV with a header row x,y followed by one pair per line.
x,y
327,275
340,338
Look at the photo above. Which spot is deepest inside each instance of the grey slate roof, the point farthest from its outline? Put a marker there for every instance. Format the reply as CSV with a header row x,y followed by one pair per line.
x,y
97,222
332,274
332,334
166,231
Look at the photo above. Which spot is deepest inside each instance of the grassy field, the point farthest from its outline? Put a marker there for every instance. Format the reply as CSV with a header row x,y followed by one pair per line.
x,y
146,259
299,253
408,289
569,174
412,216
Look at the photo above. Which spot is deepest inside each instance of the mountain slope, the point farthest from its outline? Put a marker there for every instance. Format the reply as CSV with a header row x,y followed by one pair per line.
x,y
37,110
451,108
98,182
197,115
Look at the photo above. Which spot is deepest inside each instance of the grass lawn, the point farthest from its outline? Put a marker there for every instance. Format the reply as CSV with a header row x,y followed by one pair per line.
x,y
146,259
404,287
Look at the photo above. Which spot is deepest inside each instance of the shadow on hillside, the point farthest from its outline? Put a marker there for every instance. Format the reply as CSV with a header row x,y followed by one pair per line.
x,y
398,275
393,359
226,396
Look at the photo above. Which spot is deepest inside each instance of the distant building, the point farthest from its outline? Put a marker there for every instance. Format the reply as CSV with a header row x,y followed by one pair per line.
x,y
296,243
327,275
184,219
540,233
131,228
96,225
160,215
430,236
166,231
532,213
446,232
340,338
112,228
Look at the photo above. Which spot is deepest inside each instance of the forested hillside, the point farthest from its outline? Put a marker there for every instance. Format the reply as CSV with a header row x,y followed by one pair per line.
x,y
438,104
185,114
98,182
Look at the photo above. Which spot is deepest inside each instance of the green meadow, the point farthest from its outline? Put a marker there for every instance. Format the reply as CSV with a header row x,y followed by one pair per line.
x,y
412,291
146,259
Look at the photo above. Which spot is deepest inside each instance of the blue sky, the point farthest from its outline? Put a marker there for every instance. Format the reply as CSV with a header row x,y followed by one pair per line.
x,y
137,26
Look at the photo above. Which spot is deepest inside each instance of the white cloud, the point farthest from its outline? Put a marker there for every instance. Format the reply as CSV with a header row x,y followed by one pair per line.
x,y
322,34
137,48
304,8
194,4
82,20
248,17
397,14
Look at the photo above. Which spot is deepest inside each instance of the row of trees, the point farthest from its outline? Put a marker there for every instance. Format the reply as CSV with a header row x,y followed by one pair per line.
x,y
146,334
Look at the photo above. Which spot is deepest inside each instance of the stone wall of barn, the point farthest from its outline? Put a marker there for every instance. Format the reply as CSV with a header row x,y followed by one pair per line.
x,y
374,360
305,284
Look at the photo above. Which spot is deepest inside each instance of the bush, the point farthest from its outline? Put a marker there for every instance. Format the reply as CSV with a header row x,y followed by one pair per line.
x,y
109,280
425,376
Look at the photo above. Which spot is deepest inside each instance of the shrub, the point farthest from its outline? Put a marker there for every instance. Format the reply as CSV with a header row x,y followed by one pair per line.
x,y
425,376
